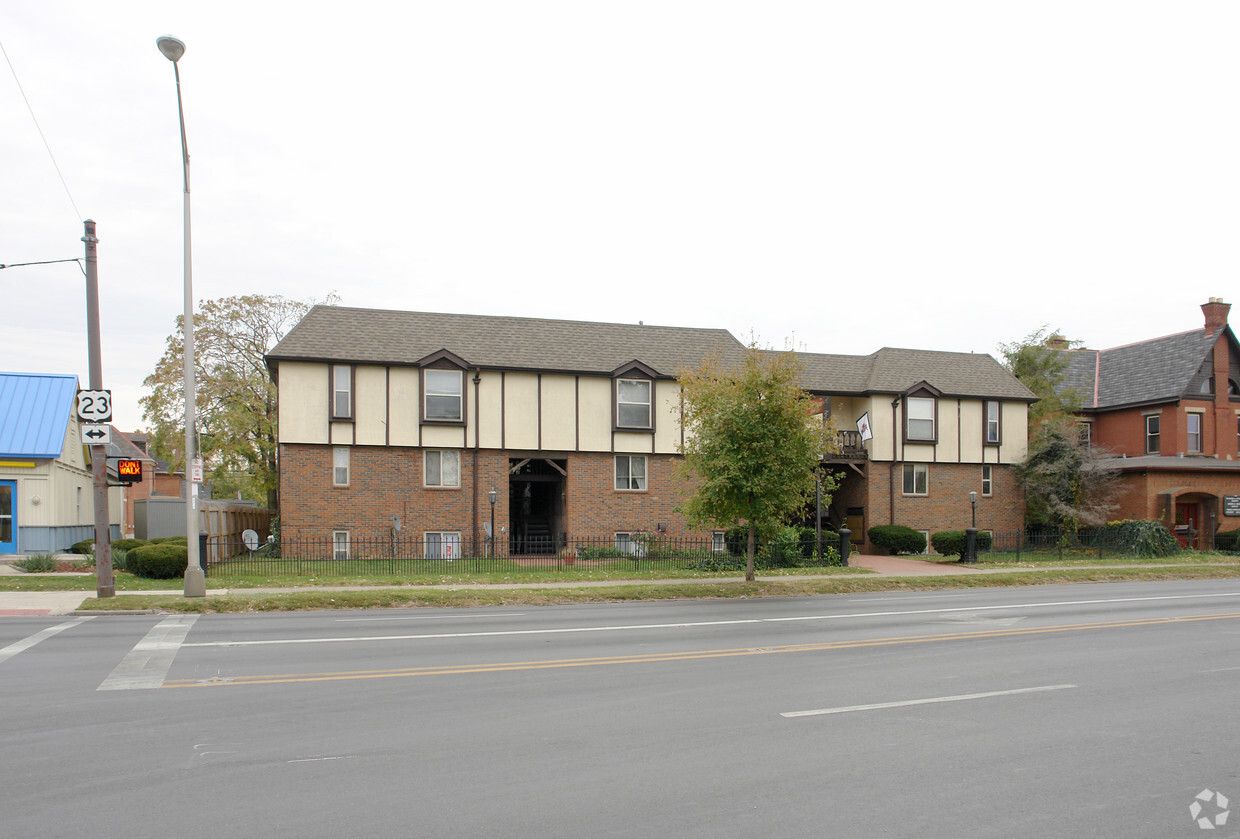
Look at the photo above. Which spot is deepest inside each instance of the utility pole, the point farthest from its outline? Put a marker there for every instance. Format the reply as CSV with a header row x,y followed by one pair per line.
x,y
105,581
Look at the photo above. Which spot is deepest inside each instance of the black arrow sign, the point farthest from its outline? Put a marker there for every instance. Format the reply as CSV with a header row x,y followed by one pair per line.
x,y
96,433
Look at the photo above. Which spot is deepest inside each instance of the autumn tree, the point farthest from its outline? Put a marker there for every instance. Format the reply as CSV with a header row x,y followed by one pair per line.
x,y
1068,483
235,397
752,444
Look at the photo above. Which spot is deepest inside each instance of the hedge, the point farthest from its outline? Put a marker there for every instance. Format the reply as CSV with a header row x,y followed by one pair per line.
x,y
158,562
947,542
897,538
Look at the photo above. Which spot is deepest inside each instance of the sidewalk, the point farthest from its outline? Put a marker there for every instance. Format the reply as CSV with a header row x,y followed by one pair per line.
x,y
15,603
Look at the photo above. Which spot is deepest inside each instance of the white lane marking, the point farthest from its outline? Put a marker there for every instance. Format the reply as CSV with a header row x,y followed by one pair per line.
x,y
320,759
26,643
691,624
425,618
961,698
148,662
906,599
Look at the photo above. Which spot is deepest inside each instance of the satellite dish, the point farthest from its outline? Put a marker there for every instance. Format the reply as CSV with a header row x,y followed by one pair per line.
x,y
250,538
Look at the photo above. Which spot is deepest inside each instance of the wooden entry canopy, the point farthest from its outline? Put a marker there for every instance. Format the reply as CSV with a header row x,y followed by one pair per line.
x,y
517,467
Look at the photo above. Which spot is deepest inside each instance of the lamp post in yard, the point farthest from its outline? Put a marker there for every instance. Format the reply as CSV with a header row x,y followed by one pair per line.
x,y
491,496
195,581
970,535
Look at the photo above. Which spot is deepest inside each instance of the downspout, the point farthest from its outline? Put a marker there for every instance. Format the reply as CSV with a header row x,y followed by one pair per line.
x,y
477,382
891,473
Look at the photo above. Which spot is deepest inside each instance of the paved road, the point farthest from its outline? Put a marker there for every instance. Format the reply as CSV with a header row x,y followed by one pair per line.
x,y
1096,710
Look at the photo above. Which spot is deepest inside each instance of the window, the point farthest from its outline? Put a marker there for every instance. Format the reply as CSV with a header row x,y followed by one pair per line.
x,y
1085,433
992,424
443,545
916,479
631,544
442,469
1194,432
1151,434
340,544
342,391
630,471
633,403
340,466
920,424
719,542
988,482
444,395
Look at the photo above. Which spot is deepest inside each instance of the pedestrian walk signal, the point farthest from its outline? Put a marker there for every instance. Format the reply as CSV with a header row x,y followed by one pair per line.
x,y
129,471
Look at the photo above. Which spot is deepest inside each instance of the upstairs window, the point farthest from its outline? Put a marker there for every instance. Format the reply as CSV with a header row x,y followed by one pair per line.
x,y
633,401
993,431
920,418
1151,434
444,399
1194,433
342,391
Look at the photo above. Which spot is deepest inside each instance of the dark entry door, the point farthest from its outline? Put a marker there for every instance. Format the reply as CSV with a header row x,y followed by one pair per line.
x,y
536,506
8,517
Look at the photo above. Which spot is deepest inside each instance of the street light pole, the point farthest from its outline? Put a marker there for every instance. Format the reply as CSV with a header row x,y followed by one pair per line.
x,y
195,581
491,495
970,535
105,580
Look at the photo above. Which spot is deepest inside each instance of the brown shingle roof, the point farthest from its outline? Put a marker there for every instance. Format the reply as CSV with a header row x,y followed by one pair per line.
x,y
378,336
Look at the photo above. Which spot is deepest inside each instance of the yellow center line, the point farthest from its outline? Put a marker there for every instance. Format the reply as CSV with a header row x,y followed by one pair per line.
x,y
691,655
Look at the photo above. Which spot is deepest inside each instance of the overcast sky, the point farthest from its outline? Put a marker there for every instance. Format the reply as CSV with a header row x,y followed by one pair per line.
x,y
847,175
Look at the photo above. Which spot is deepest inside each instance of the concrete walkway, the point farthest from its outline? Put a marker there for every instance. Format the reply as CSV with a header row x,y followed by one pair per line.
x,y
14,603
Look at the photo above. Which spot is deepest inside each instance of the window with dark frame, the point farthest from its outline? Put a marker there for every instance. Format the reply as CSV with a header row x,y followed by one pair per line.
x,y
993,427
1151,434
630,472
633,403
916,479
919,424
342,391
444,395
441,469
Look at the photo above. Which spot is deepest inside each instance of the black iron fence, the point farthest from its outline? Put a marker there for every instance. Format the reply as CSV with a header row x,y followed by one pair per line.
x,y
445,555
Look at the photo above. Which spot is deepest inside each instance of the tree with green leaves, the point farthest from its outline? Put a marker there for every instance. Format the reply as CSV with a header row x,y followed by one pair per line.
x,y
235,396
1068,483
752,444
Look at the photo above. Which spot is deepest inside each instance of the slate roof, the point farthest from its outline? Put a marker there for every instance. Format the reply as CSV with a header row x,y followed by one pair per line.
x,y
377,336
892,370
34,413
1158,370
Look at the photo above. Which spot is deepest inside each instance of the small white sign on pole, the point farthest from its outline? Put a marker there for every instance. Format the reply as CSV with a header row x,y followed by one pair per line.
x,y
195,470
94,434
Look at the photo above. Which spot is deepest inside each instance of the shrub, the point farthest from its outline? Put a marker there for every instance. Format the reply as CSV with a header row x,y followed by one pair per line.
x,y
1143,538
947,542
158,562
37,564
1228,541
83,547
601,552
120,558
897,538
128,544
162,540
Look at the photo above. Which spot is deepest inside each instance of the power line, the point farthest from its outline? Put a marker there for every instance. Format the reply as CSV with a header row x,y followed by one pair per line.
x,y
44,262
39,128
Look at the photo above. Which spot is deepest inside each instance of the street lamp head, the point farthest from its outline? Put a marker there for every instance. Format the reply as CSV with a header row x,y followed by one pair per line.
x,y
491,495
172,48
972,497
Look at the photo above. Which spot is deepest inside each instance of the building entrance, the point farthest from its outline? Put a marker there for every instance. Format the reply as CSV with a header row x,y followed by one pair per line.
x,y
536,506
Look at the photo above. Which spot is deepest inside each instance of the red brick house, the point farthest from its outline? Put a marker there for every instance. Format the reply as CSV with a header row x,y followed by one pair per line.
x,y
1169,408
399,425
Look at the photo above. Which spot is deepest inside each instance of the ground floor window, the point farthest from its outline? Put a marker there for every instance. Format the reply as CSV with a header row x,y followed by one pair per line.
x,y
340,544
630,544
442,545
719,541
442,469
630,471
916,479
988,482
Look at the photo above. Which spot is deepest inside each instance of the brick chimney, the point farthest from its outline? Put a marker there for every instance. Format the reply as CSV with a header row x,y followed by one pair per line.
x,y
1057,342
1216,314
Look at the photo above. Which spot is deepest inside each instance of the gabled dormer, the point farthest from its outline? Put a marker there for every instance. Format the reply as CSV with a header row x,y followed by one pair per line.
x,y
921,413
633,397
442,385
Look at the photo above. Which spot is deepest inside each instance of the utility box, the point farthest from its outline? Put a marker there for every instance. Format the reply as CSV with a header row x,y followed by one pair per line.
x,y
156,517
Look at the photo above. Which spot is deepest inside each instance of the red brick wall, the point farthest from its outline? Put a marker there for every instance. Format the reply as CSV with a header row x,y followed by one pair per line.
x,y
946,506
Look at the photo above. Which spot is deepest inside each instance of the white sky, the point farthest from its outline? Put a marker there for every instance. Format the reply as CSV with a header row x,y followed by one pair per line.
x,y
851,175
